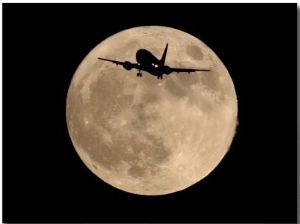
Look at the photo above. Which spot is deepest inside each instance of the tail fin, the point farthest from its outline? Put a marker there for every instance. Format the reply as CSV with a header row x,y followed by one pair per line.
x,y
163,58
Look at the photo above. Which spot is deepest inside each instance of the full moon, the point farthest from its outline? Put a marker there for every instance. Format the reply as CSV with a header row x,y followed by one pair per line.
x,y
145,135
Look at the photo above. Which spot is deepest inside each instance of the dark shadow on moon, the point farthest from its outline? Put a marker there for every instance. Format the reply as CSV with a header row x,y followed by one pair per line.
x,y
194,52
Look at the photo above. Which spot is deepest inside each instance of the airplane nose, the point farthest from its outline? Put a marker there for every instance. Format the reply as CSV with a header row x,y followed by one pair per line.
x,y
139,55
145,57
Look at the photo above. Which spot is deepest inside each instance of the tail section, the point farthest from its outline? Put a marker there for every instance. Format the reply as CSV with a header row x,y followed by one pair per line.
x,y
163,58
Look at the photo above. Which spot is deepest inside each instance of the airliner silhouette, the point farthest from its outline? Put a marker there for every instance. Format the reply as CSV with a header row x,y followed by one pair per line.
x,y
149,63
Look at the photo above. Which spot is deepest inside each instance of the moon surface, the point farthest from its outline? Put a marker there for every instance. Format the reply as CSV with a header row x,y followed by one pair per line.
x,y
145,135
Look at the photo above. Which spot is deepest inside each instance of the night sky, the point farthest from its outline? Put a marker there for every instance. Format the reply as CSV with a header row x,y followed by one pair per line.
x,y
44,179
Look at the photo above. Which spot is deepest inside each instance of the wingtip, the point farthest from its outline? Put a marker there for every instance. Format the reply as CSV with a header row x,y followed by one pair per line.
x,y
103,59
203,70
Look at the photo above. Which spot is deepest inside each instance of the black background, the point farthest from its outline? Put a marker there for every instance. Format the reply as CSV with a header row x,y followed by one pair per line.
x,y
44,180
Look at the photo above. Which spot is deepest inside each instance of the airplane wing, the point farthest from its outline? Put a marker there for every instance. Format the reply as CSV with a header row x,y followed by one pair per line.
x,y
188,70
113,61
125,64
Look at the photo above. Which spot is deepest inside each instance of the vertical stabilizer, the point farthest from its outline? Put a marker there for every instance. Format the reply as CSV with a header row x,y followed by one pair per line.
x,y
163,58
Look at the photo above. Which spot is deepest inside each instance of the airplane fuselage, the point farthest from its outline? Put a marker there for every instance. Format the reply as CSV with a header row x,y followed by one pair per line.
x,y
148,62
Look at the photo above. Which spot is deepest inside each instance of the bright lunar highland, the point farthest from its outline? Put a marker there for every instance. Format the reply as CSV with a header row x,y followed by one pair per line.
x,y
145,135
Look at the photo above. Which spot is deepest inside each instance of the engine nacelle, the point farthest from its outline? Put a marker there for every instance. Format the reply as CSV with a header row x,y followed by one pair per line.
x,y
167,70
127,65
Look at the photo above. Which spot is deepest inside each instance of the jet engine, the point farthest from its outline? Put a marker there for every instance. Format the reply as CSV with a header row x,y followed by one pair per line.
x,y
127,65
167,70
